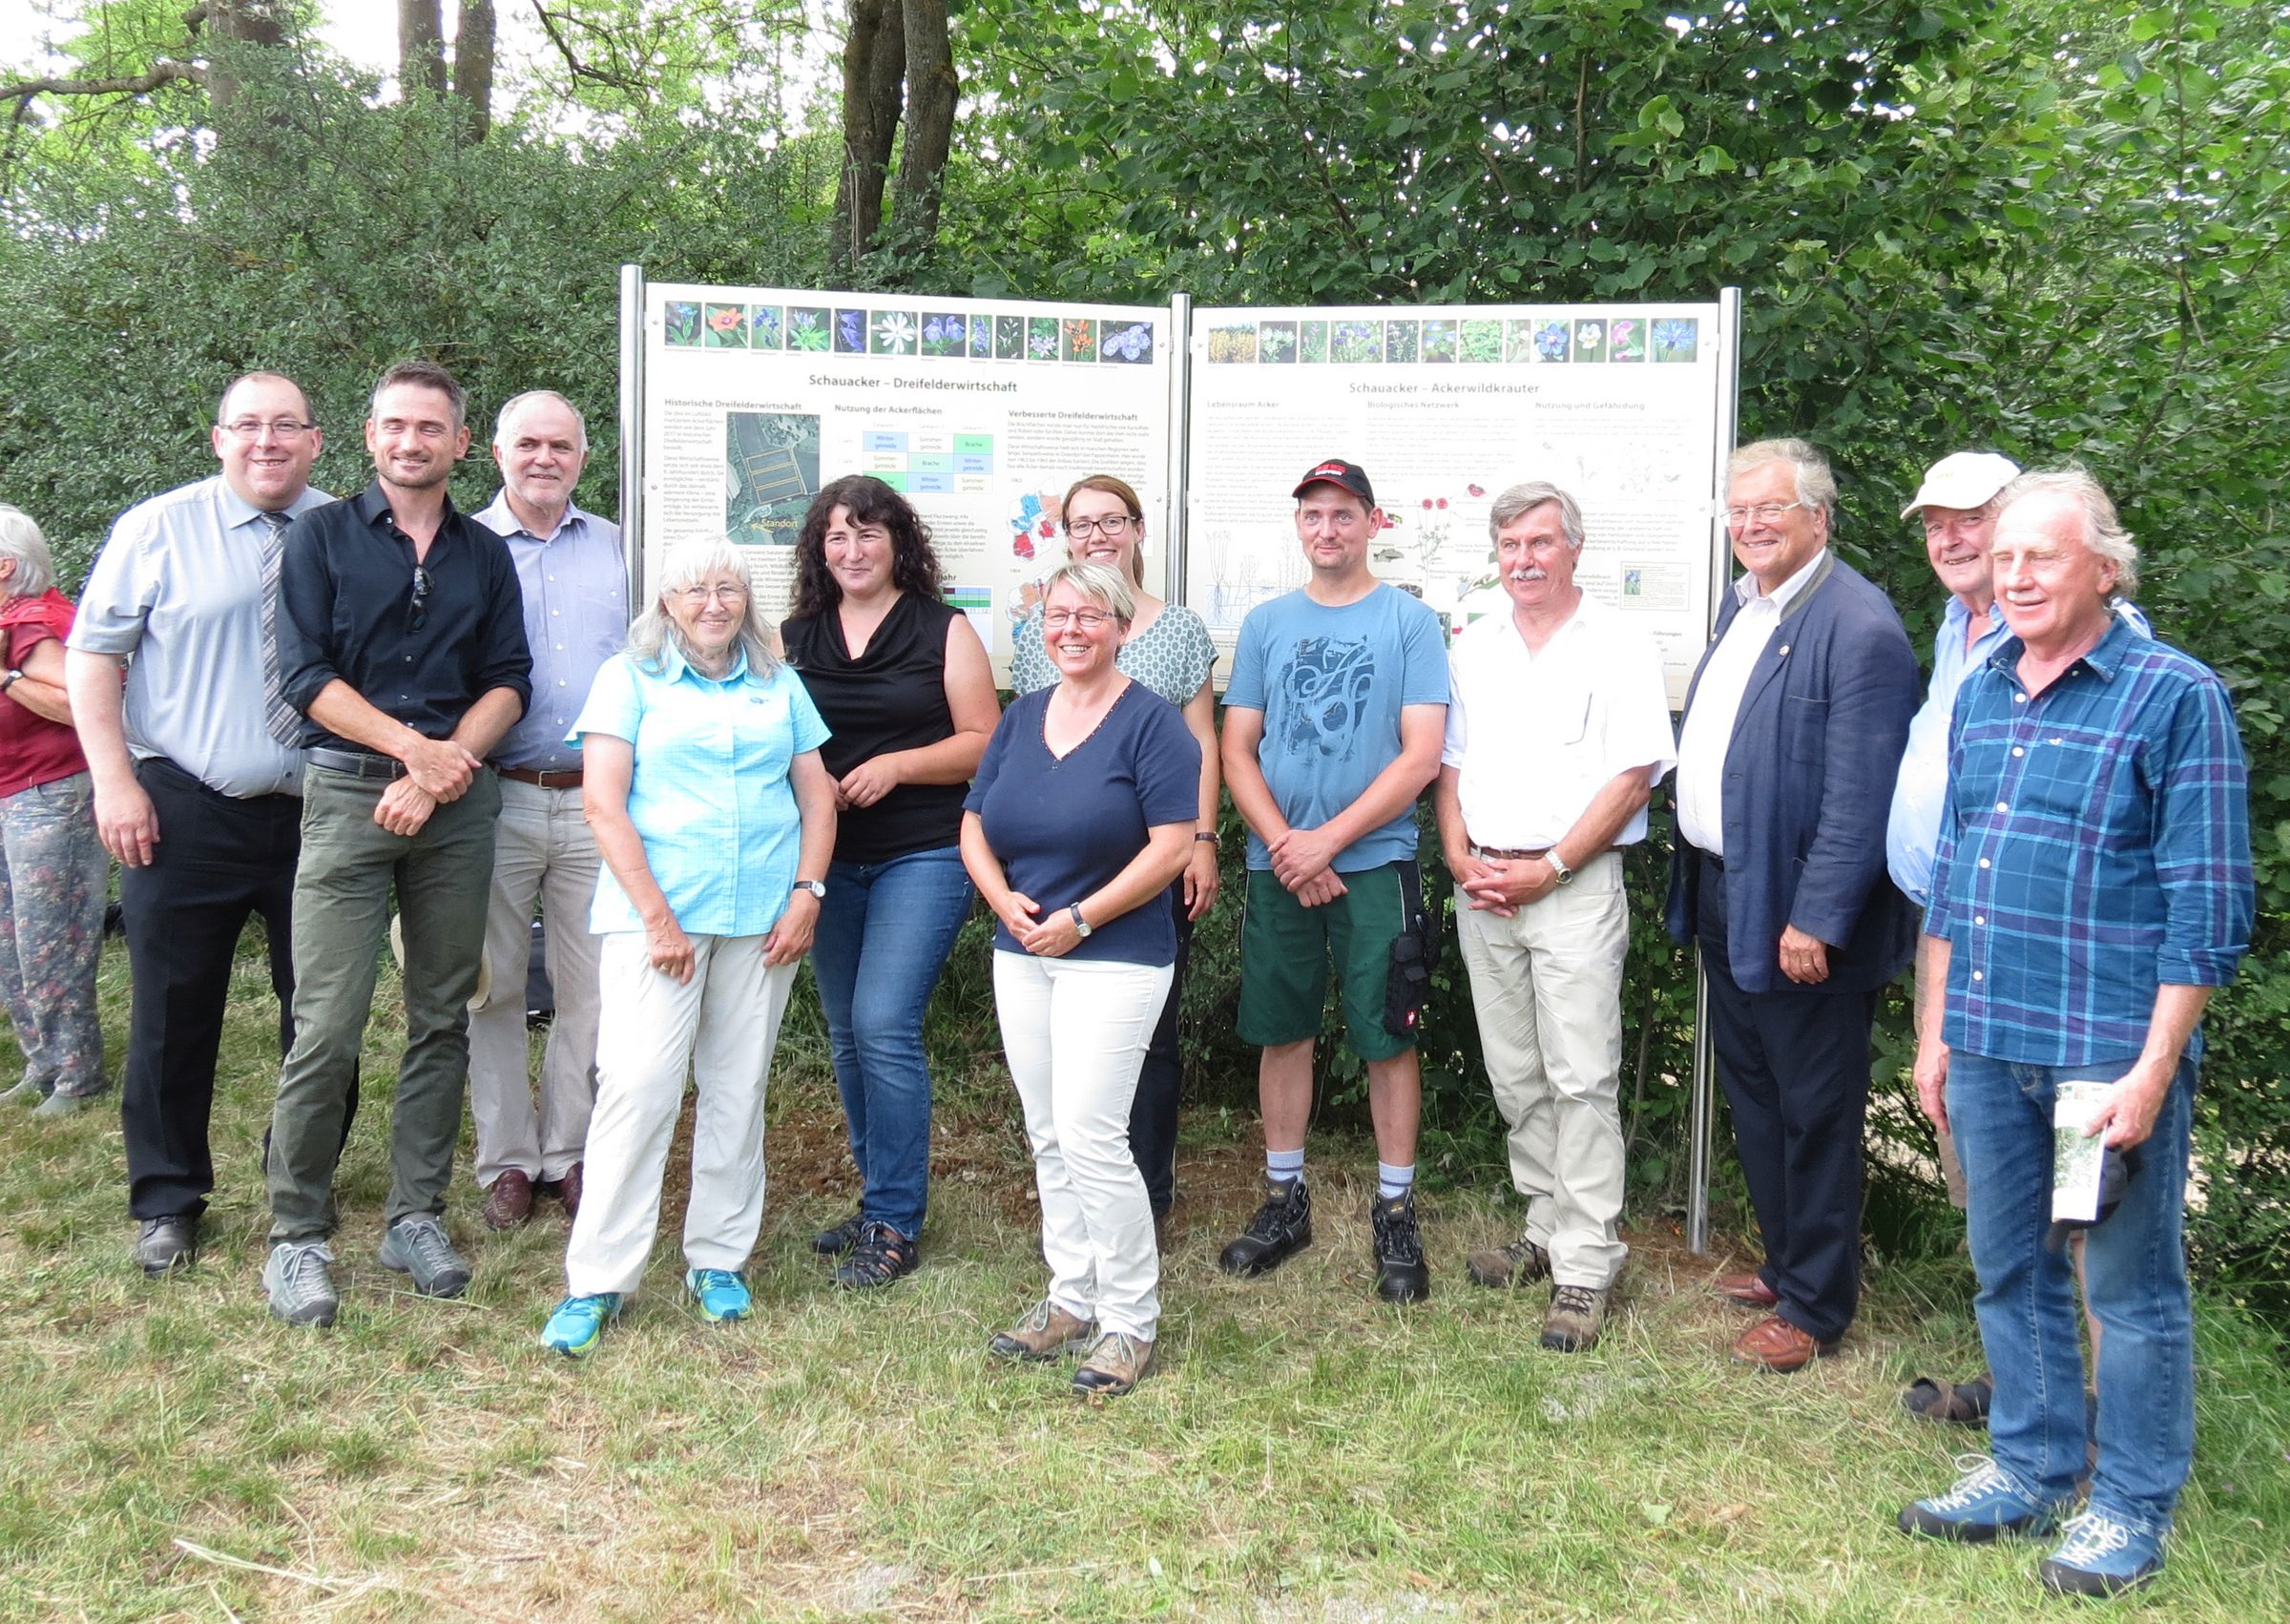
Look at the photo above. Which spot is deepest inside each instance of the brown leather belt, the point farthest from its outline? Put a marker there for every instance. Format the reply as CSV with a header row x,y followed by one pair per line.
x,y
570,779
1511,854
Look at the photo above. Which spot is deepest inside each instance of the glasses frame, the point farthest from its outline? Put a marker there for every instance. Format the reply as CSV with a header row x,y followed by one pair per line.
x,y
1766,512
1112,525
278,427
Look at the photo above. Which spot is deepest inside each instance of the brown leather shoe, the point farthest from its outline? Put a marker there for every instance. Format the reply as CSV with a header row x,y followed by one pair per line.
x,y
509,1203
1772,1344
567,1191
1749,1291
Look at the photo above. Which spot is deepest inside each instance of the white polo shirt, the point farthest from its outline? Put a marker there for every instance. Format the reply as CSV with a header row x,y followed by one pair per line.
x,y
1535,737
1708,733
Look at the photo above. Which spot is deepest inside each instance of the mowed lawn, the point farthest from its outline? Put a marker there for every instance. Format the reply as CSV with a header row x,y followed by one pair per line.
x,y
168,1451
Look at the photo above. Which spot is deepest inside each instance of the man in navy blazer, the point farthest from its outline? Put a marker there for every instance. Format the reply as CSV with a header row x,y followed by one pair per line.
x,y
1793,735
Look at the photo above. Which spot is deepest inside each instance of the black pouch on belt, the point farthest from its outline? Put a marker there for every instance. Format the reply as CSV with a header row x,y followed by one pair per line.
x,y
1414,952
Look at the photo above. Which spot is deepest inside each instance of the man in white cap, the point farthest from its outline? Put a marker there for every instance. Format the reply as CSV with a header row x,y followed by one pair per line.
x,y
1958,504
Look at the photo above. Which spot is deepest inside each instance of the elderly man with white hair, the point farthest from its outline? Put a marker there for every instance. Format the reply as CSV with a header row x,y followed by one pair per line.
x,y
2090,887
1558,727
575,578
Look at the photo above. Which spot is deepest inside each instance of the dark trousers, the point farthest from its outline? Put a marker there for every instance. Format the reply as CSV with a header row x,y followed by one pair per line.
x,y
218,859
1794,1068
1153,1113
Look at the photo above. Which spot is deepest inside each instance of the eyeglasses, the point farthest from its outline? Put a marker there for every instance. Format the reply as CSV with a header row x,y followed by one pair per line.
x,y
419,617
723,592
1087,619
1764,513
278,427
1112,527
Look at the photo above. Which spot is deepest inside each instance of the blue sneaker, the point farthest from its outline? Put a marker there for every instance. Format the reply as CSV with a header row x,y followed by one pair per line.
x,y
1986,1504
578,1323
2102,1557
721,1295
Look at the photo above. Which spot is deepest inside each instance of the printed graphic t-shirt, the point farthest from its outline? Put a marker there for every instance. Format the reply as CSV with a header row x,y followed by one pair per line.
x,y
1331,682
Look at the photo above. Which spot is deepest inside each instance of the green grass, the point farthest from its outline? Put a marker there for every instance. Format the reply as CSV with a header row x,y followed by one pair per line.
x,y
1302,1453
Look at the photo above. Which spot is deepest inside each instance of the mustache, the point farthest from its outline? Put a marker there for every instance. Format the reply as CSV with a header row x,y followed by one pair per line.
x,y
1529,573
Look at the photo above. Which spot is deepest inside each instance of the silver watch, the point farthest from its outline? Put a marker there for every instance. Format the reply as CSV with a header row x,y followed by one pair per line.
x,y
1080,923
817,888
1558,865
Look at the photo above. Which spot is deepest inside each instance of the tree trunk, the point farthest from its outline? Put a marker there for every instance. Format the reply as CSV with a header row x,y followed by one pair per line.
x,y
874,65
421,45
932,89
473,65
247,22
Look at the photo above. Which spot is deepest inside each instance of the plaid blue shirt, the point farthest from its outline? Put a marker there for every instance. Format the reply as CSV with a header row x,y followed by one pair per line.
x,y
2095,846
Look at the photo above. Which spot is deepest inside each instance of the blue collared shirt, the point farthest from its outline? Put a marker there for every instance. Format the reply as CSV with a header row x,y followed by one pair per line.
x,y
178,590
575,586
1912,833
709,793
2094,848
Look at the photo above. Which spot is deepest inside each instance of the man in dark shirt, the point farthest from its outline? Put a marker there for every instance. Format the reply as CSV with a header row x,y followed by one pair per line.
x,y
400,640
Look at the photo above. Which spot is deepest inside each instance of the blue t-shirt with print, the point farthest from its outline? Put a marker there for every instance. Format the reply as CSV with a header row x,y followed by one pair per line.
x,y
1331,682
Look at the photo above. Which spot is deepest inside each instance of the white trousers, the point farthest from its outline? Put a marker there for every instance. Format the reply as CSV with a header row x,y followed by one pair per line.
x,y
542,850
1547,984
1076,1034
722,1026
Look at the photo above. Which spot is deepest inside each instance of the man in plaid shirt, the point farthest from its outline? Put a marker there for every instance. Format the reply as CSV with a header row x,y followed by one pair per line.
x,y
2093,885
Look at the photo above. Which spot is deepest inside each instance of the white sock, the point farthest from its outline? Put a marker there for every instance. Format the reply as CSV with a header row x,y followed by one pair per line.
x,y
1391,1181
1283,1167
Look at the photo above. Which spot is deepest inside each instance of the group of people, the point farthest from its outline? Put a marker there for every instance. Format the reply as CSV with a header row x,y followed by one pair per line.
x,y
272,702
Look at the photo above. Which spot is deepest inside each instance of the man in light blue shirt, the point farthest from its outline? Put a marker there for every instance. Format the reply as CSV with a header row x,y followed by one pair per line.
x,y
574,578
194,794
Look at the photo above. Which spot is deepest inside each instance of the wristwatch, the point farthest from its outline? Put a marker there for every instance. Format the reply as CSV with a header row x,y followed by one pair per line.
x,y
1080,923
1558,865
9,681
817,888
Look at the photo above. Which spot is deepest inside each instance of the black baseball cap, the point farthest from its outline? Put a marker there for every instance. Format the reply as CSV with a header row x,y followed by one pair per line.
x,y
1337,471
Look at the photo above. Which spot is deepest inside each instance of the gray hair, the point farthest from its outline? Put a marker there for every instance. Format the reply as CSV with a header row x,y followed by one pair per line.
x,y
22,543
516,404
654,630
1816,483
263,375
2103,531
1095,582
1519,500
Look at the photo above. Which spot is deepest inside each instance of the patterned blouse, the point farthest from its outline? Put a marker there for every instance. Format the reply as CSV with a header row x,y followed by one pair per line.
x,y
1172,658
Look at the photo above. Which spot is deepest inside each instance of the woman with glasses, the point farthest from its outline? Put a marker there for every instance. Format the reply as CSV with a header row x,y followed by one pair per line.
x,y
906,685
1169,650
714,818
53,864
1080,821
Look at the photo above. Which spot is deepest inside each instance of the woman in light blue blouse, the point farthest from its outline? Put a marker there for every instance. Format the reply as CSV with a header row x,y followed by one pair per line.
x,y
715,821
1168,651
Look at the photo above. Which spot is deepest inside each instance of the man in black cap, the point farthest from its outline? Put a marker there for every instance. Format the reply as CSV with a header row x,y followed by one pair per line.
x,y
1332,729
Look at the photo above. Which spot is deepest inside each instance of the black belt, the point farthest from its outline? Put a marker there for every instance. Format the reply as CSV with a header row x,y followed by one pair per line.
x,y
358,764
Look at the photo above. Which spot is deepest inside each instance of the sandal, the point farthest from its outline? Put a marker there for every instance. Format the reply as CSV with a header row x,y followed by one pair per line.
x,y
1961,1404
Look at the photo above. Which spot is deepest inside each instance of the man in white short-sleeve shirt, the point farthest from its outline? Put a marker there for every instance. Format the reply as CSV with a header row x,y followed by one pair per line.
x,y
1558,728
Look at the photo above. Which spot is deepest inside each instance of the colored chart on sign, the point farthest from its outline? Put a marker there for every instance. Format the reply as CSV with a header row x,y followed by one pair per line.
x,y
928,461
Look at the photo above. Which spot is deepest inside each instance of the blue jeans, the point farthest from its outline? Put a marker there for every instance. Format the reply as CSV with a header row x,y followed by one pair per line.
x,y
2135,1277
884,935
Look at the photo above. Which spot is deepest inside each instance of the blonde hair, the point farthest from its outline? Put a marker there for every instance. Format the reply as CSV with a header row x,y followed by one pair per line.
x,y
1095,582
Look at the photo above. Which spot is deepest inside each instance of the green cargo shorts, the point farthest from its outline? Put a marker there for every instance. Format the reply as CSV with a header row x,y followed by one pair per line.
x,y
1285,948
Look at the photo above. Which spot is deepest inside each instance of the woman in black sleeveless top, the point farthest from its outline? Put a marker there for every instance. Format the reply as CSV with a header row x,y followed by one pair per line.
x,y
906,685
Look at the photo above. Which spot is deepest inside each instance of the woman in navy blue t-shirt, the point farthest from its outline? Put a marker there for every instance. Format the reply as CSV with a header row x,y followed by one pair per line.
x,y
1081,814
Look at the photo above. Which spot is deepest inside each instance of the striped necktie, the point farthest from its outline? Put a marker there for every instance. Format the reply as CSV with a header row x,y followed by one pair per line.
x,y
282,720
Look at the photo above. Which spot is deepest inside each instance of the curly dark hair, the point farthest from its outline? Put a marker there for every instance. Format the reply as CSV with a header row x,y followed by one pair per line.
x,y
913,565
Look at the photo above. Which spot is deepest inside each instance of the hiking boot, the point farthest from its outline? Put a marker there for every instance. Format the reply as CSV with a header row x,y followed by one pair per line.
x,y
166,1244
1985,1504
416,1245
1044,1332
578,1324
1281,1226
2102,1557
1576,1315
1117,1363
1402,1276
836,1241
882,1256
299,1279
508,1200
721,1295
1522,1262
